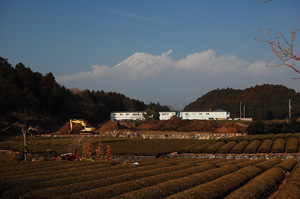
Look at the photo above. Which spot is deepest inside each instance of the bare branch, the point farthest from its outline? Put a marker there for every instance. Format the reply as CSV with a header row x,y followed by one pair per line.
x,y
282,47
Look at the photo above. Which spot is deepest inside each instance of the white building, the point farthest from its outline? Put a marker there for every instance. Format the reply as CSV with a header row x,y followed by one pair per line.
x,y
166,115
204,115
137,115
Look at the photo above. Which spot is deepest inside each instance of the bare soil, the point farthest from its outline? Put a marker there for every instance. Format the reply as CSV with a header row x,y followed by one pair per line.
x,y
174,124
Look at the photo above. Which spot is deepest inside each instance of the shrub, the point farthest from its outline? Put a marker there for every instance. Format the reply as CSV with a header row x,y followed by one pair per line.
x,y
278,146
186,149
246,163
261,186
257,127
268,164
168,188
199,149
239,138
252,147
288,135
297,135
221,186
291,145
42,182
71,187
268,136
292,188
265,146
257,137
227,147
239,148
213,148
129,186
281,135
287,165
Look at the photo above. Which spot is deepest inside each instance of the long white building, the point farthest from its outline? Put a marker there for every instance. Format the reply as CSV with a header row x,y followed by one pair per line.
x,y
205,115
124,115
166,115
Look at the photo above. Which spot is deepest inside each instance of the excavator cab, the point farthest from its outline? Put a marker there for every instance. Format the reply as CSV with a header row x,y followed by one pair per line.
x,y
84,127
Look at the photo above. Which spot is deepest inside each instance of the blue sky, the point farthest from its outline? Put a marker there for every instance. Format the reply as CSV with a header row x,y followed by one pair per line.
x,y
193,46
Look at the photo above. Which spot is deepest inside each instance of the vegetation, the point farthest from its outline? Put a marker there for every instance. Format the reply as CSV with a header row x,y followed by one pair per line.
x,y
158,178
263,102
25,91
259,127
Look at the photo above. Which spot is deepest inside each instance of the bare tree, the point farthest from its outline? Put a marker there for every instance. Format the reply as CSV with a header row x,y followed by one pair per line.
x,y
282,47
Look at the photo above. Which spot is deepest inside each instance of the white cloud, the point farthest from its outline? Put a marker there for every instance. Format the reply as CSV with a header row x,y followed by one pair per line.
x,y
156,78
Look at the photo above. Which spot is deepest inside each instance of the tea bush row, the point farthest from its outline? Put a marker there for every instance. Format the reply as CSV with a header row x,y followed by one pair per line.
x,y
287,144
38,182
291,189
170,187
261,186
129,186
58,188
220,187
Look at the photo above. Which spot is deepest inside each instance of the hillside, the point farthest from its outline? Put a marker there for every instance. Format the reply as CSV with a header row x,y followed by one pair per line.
x,y
29,93
261,102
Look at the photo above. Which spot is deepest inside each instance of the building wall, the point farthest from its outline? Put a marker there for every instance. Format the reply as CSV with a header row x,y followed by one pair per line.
x,y
209,115
115,116
166,115
185,115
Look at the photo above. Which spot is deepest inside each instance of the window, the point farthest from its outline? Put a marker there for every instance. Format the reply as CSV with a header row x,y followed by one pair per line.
x,y
207,113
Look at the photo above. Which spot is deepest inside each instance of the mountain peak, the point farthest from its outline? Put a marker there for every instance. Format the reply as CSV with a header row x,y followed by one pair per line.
x,y
139,58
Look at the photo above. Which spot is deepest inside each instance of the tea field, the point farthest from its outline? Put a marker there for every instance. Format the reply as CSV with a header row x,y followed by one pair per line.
x,y
157,178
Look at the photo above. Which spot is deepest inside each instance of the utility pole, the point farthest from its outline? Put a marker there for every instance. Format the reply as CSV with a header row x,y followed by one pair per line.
x,y
290,111
24,131
244,112
240,109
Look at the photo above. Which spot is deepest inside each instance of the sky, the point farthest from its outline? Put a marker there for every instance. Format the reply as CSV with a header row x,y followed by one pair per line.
x,y
166,51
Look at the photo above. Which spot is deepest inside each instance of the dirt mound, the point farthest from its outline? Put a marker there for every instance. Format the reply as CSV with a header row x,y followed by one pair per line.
x,y
231,127
108,126
76,127
174,124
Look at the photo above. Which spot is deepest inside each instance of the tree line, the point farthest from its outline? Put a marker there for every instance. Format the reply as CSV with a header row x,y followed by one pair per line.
x,y
25,91
262,102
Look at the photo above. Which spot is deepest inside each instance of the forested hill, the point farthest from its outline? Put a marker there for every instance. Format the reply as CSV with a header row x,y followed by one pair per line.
x,y
25,91
261,102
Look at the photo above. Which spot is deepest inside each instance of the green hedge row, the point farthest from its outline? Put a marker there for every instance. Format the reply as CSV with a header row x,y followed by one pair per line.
x,y
268,164
287,165
291,190
261,186
48,174
82,168
199,149
38,182
57,188
129,186
278,146
170,187
252,146
239,148
220,187
265,146
227,147
291,145
213,148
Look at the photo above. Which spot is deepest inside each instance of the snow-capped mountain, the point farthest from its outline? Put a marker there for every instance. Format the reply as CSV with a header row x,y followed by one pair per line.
x,y
139,59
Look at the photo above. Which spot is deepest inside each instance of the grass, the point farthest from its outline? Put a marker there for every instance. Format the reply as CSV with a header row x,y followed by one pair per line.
x,y
120,146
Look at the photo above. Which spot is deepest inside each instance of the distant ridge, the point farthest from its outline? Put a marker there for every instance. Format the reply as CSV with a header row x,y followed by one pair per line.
x,y
261,102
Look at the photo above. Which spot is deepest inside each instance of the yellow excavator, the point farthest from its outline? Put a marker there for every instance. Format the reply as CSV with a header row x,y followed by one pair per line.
x,y
84,127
